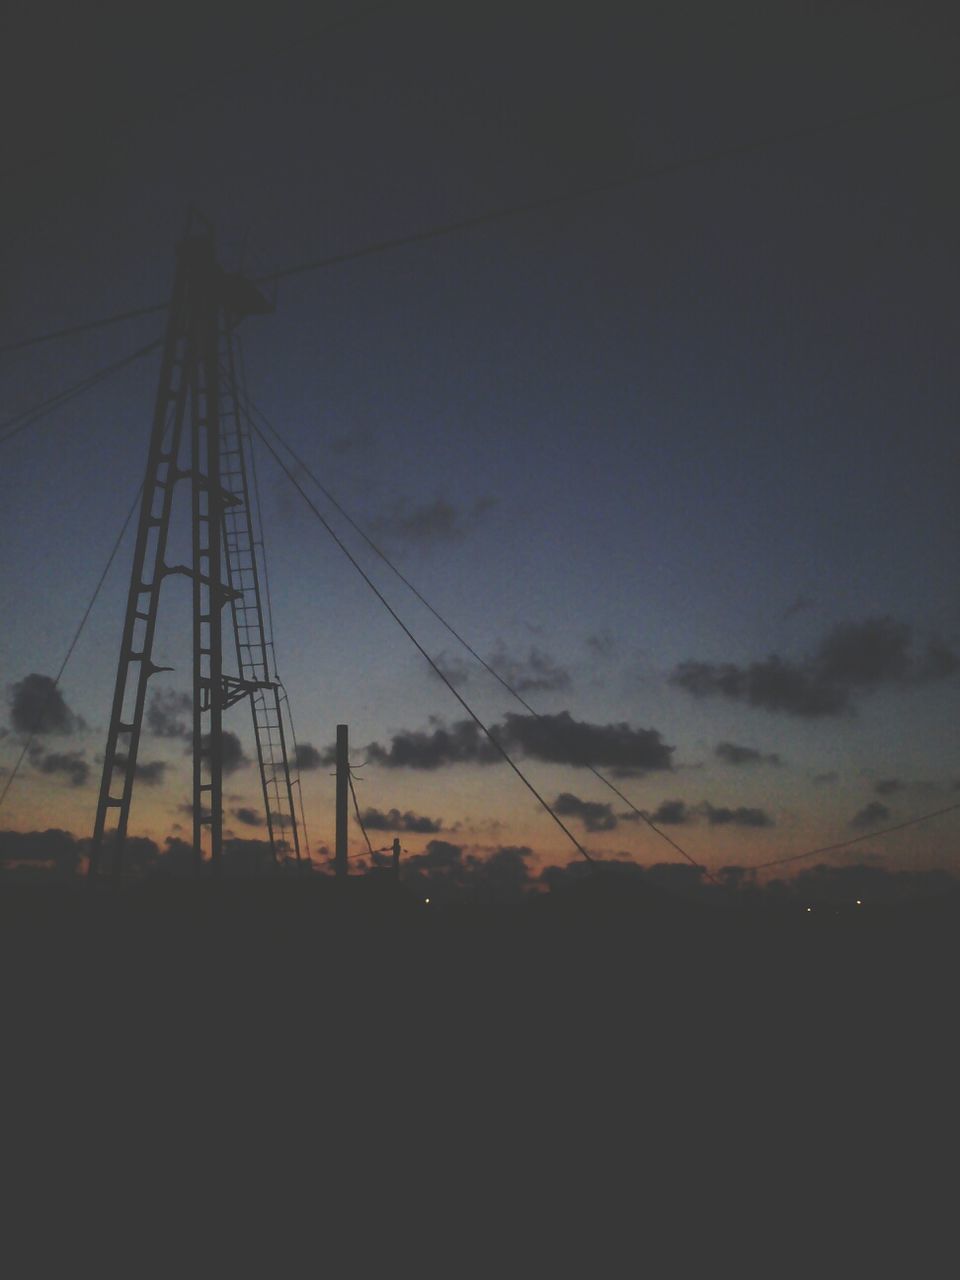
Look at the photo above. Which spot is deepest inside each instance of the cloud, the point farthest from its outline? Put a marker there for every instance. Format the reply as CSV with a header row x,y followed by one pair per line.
x,y
732,754
538,672
557,739
853,658
70,763
232,757
801,603
54,851
152,772
376,820
741,817
455,669
37,707
431,522
461,743
446,870
593,815
870,815
887,786
675,813
601,645
166,714
824,779
307,757
249,817
671,813
773,684
865,654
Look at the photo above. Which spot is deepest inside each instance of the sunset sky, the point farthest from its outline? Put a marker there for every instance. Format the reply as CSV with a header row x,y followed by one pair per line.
x,y
678,458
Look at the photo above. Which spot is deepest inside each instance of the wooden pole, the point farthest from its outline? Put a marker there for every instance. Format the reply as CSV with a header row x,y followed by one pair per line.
x,y
343,786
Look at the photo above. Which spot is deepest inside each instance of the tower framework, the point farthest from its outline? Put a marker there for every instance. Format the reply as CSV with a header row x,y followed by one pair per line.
x,y
200,438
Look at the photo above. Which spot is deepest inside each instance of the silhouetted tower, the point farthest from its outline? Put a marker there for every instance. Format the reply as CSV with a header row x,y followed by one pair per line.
x,y
200,439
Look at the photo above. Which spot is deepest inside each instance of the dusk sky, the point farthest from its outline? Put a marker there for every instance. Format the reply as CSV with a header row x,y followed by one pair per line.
x,y
678,458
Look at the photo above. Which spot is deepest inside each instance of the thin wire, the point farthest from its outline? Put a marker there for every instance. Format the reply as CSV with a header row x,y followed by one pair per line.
x,y
413,639
869,835
457,636
530,206
76,637
357,811
13,426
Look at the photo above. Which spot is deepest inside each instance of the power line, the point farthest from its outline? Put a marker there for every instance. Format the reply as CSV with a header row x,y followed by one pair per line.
x,y
869,835
251,407
530,206
413,639
76,636
86,327
28,417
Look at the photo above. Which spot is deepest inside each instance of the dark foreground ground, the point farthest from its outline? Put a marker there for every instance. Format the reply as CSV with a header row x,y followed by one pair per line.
x,y
176,1045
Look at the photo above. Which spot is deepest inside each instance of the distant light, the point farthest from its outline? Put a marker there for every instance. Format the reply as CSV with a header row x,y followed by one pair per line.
x,y
427,900
859,903
809,908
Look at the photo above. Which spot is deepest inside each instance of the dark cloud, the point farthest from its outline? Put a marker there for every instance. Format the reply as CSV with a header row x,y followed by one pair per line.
x,y
249,817
870,815
938,663
741,817
53,851
593,815
446,871
601,645
774,684
306,757
247,857
169,714
231,751
852,658
70,763
462,743
887,786
376,820
455,669
538,672
37,707
358,440
558,739
671,813
865,654
870,883
152,772
430,522
801,603
733,754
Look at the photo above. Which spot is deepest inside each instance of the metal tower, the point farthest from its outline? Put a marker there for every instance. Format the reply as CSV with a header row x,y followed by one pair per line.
x,y
200,438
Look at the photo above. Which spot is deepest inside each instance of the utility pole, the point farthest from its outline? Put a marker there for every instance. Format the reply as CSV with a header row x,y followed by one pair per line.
x,y
200,438
343,786
396,858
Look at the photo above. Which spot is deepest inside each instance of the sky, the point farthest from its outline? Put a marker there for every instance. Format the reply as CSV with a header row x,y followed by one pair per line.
x,y
678,458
